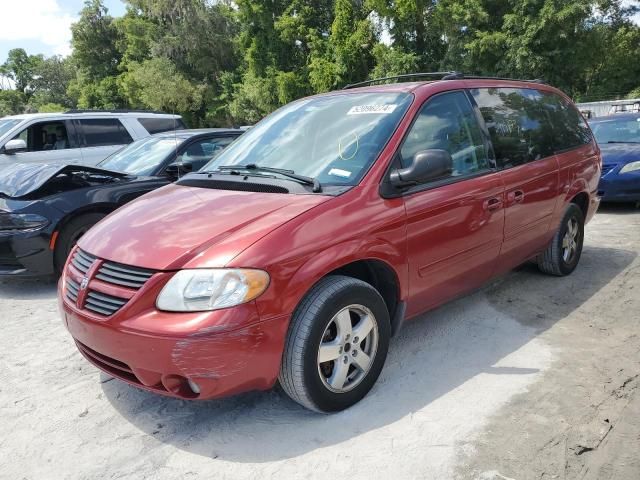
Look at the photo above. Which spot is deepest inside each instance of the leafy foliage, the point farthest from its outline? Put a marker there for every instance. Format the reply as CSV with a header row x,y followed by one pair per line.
x,y
230,62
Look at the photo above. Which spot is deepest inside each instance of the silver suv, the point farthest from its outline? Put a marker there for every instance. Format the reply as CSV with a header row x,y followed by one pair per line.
x,y
76,136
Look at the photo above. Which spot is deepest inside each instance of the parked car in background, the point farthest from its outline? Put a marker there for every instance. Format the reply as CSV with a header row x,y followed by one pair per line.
x,y
619,140
298,251
45,209
77,136
621,108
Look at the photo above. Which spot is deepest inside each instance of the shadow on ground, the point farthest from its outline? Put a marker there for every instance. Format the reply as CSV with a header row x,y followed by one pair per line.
x,y
429,358
622,208
27,288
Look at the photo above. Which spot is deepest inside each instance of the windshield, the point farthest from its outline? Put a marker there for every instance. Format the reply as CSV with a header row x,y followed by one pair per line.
x,y
333,138
622,130
6,125
142,157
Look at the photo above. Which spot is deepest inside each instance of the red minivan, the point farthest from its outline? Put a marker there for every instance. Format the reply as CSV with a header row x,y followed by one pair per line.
x,y
298,252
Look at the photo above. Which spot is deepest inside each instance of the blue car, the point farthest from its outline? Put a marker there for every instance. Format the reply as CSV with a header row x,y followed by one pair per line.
x,y
619,139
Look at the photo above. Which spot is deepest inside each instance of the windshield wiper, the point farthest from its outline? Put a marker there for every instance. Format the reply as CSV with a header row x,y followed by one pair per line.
x,y
317,187
621,141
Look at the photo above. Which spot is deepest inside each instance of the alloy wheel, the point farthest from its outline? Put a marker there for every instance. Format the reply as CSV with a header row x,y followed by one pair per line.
x,y
348,348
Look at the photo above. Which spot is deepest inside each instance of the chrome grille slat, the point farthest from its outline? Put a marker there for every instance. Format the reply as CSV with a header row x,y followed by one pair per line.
x,y
129,270
117,281
119,302
126,276
82,261
111,273
99,309
72,290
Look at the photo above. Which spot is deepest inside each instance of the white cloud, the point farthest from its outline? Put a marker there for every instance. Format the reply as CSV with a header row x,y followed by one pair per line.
x,y
40,20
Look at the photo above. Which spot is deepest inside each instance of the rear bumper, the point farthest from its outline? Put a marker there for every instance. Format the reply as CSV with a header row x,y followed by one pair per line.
x,y
217,363
25,255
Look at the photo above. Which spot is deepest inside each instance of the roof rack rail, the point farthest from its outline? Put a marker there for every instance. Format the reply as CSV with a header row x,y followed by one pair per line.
x,y
453,75
124,110
438,75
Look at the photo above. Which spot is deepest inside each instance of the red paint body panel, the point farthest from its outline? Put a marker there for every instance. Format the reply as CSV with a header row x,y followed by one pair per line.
x,y
439,243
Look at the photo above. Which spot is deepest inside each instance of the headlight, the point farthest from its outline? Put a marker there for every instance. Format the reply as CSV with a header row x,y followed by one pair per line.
x,y
211,289
21,221
630,167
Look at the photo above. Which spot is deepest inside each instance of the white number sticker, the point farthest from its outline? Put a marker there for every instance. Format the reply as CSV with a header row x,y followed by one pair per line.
x,y
364,109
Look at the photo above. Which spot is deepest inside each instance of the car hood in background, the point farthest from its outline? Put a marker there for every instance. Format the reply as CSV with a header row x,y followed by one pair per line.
x,y
179,226
21,179
619,153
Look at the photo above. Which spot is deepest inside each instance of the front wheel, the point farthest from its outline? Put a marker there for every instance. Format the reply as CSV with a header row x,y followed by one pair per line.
x,y
69,236
563,253
336,345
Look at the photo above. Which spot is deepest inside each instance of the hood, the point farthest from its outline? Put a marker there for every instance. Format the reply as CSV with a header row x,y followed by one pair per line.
x,y
23,180
619,153
177,226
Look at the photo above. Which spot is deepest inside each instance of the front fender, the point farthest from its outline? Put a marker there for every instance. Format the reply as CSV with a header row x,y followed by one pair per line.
x,y
290,283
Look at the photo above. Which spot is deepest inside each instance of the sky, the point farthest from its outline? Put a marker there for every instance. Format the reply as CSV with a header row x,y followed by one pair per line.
x,y
42,26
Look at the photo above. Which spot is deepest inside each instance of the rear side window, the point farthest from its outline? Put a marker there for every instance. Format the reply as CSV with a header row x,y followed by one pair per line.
x,y
159,125
519,123
100,132
448,122
571,130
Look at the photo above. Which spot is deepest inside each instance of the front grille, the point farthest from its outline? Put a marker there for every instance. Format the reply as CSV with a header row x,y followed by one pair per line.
x,y
124,275
607,168
72,290
103,304
82,261
116,274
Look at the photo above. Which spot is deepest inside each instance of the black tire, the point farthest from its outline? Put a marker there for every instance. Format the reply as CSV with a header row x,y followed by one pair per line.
x,y
300,375
553,260
69,236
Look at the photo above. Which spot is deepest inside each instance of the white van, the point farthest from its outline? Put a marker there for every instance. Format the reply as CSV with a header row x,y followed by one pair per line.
x,y
76,136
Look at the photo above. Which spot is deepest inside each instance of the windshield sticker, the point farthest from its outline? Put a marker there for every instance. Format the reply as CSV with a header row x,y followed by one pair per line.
x,y
364,109
339,173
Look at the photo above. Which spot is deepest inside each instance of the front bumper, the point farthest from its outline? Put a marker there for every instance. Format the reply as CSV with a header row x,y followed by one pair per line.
x,y
25,254
616,187
183,354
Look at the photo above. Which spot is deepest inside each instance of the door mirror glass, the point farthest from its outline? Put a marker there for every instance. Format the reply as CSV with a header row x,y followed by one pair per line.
x,y
427,165
177,169
15,146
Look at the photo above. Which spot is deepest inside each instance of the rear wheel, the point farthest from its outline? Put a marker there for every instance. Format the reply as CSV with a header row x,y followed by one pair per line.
x,y
563,253
69,236
336,345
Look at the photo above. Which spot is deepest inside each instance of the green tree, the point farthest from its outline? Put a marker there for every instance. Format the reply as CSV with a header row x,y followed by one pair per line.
x,y
20,68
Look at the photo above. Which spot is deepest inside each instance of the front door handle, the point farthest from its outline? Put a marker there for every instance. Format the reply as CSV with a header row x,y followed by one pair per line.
x,y
517,196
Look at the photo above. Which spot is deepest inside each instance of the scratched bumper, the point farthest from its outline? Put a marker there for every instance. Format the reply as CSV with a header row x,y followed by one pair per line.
x,y
220,363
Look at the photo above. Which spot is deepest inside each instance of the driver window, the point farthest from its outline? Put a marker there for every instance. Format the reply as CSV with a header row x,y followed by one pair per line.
x,y
448,122
45,136
201,152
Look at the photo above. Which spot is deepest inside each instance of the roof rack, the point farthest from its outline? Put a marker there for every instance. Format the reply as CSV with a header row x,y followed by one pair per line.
x,y
115,111
435,76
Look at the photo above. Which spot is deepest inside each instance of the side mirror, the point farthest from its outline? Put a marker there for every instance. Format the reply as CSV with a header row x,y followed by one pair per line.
x,y
14,146
178,169
427,165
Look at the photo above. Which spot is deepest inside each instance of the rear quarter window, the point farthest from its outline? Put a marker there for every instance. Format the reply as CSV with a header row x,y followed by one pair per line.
x,y
102,132
571,130
159,125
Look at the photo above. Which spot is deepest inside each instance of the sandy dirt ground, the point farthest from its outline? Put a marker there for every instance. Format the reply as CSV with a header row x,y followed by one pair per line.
x,y
532,377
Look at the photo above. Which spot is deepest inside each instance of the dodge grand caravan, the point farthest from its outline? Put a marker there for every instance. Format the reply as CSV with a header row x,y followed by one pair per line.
x,y
298,252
